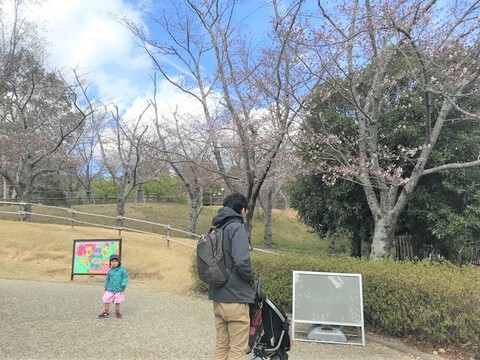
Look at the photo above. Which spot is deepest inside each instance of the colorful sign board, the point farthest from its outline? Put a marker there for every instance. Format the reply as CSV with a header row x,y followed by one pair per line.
x,y
91,256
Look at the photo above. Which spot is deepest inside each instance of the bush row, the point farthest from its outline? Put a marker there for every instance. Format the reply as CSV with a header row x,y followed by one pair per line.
x,y
435,302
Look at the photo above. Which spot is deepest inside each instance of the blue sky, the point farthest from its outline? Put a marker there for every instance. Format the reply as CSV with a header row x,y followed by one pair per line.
x,y
83,34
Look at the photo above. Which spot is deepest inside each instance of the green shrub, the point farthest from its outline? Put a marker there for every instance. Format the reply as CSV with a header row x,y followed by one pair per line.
x,y
435,302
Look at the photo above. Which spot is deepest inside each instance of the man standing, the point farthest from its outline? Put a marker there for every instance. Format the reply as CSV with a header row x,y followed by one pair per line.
x,y
231,301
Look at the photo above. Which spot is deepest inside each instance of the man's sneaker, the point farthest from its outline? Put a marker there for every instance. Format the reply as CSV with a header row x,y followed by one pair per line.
x,y
118,315
103,315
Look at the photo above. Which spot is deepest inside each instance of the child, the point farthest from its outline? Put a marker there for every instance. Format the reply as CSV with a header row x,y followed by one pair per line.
x,y
115,284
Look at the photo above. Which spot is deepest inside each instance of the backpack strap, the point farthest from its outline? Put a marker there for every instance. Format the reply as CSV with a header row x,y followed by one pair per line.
x,y
223,236
223,226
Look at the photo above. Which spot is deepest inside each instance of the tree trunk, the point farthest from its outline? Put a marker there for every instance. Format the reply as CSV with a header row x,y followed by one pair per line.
x,y
365,250
383,237
88,197
27,208
285,198
196,207
332,240
355,246
249,220
267,220
195,211
120,212
6,187
139,198
459,255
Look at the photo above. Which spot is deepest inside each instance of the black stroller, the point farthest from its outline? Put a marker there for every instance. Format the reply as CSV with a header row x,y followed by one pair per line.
x,y
269,329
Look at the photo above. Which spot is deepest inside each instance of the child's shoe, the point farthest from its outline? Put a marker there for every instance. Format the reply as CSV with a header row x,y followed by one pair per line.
x,y
103,315
118,315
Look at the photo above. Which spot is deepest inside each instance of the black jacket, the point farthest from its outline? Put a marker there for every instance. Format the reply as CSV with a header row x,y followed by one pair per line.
x,y
239,287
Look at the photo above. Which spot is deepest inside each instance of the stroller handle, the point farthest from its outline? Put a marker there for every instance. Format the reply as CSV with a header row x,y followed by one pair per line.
x,y
258,291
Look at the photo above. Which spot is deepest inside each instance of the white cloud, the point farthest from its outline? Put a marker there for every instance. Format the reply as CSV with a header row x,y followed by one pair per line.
x,y
84,34
169,100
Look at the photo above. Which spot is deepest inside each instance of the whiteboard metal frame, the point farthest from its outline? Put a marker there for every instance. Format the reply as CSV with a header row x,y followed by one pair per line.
x,y
306,321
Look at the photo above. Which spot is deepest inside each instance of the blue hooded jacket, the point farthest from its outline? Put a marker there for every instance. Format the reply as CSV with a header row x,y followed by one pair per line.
x,y
117,278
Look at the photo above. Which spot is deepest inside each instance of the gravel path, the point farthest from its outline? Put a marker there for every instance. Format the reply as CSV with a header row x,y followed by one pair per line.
x,y
48,320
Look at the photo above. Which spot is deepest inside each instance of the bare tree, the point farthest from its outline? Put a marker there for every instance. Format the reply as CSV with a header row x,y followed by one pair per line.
x,y
180,142
249,73
364,51
283,170
122,147
40,117
88,166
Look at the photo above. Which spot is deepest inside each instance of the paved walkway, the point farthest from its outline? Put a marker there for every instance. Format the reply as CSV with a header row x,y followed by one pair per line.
x,y
48,320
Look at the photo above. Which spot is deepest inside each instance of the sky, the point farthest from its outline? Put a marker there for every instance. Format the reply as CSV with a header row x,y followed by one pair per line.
x,y
83,34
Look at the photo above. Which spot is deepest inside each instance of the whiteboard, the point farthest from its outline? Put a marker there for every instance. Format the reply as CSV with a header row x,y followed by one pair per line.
x,y
327,298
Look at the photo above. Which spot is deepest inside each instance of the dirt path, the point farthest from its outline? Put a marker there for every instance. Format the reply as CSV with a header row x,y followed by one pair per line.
x,y
52,320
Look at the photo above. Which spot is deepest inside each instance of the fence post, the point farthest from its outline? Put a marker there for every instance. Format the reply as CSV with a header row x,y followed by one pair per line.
x,y
19,212
168,236
73,217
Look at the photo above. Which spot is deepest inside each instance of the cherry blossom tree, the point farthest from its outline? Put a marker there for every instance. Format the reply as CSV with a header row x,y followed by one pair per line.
x,y
181,141
40,117
251,73
282,172
122,144
368,55
87,153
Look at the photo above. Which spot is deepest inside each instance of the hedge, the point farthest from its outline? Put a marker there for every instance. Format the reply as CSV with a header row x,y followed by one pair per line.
x,y
436,302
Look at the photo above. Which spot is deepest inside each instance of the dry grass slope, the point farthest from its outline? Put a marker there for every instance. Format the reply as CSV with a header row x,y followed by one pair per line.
x,y
289,233
44,252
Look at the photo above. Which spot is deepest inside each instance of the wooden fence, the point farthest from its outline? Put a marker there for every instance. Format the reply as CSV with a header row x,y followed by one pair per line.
x,y
403,249
71,217
79,200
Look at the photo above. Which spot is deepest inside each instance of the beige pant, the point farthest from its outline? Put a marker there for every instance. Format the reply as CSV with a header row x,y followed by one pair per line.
x,y
232,321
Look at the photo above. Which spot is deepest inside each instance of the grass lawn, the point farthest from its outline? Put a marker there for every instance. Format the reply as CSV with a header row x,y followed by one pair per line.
x,y
42,249
44,252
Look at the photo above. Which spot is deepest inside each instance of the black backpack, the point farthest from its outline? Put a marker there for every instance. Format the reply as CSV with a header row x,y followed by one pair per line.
x,y
211,266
